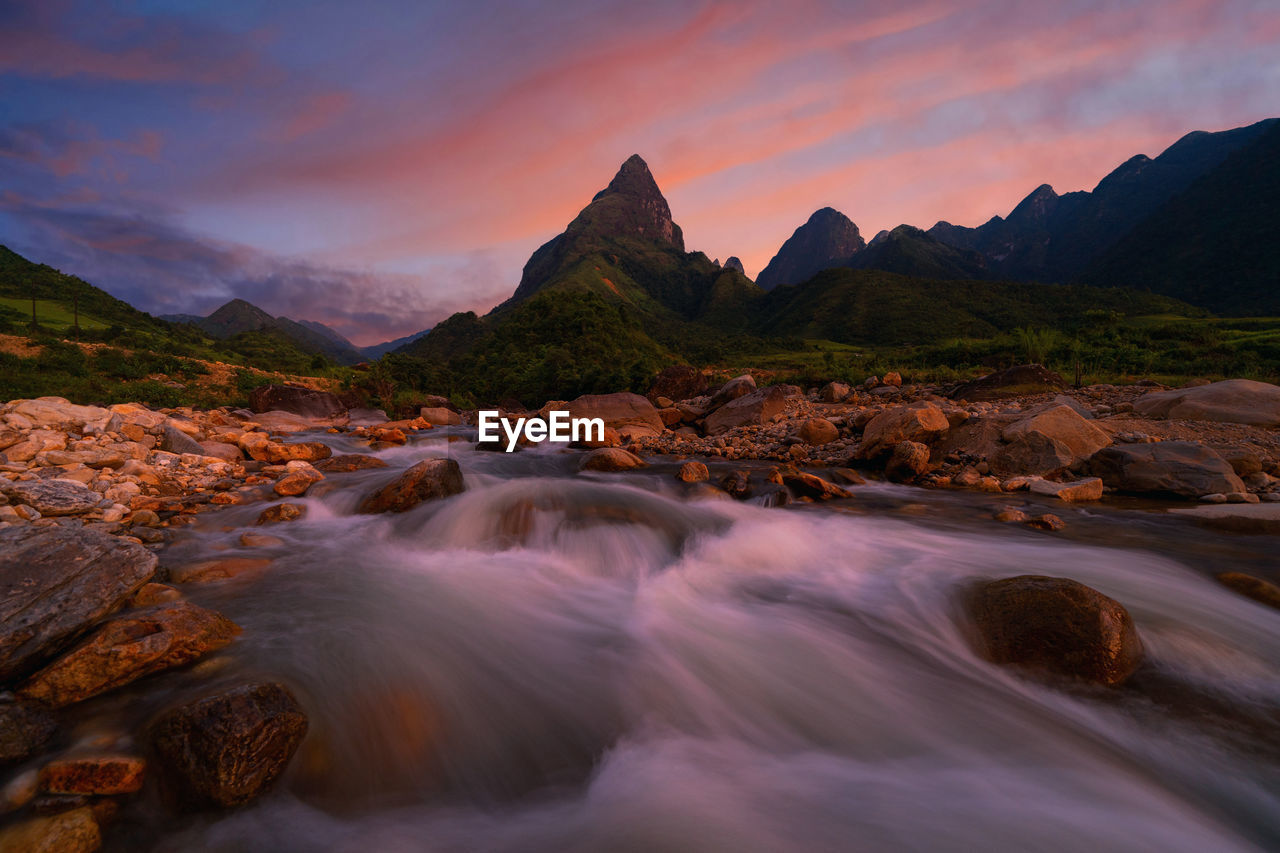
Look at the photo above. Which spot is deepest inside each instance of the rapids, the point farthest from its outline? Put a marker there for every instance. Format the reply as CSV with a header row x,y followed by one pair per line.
x,y
562,662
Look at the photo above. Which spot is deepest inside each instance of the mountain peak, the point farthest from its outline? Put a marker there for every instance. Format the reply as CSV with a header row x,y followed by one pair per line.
x,y
827,239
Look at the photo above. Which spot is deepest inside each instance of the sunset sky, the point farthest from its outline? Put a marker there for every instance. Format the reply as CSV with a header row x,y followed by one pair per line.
x,y
377,166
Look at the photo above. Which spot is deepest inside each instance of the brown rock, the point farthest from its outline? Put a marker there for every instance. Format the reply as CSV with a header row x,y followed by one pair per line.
x,y
1079,490
228,749
1258,589
56,583
1239,401
809,485
251,539
73,831
818,431
849,477
737,484
910,460
892,378
306,451
348,462
128,647
427,480
296,400
693,472
221,450
754,408
24,728
1048,521
297,481
678,382
1064,425
833,392
52,497
921,423
739,386
1010,515
219,569
101,775
440,416
1055,626
281,512
1012,382
611,459
1178,468
154,593
631,415
1033,453
670,417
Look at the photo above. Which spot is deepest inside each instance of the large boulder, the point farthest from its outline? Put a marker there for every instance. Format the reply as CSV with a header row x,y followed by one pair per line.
x,y
427,480
52,497
752,409
348,462
228,749
440,416
631,415
1011,382
128,647
1166,468
56,583
908,462
1033,453
737,387
295,399
1236,401
923,423
174,440
611,459
55,412
1055,626
74,831
678,382
1063,424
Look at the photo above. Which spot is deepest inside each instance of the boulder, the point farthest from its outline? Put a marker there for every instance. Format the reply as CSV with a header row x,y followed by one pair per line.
x,y
348,462
1237,401
807,485
58,412
693,472
74,831
1064,425
366,417
1055,626
818,431
281,512
678,382
440,416
1261,591
299,477
97,775
218,569
611,459
296,400
892,379
1178,468
174,440
631,415
833,392
52,497
427,480
56,583
305,451
922,423
1236,518
1089,489
909,461
754,408
24,728
737,387
1033,453
129,646
1011,382
221,450
230,748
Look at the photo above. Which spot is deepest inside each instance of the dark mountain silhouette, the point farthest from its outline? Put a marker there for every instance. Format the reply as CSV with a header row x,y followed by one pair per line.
x,y
828,239
734,264
239,316
909,251
379,350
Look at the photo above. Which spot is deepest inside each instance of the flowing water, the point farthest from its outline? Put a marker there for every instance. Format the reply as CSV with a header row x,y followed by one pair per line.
x,y
562,662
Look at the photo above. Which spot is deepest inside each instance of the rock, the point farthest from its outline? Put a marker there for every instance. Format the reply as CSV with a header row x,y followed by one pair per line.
x,y
909,461
348,462
1080,490
1178,468
833,392
57,412
671,417
366,417
24,728
228,749
610,438
693,472
1237,401
440,416
305,451
1258,589
296,400
737,484
297,481
611,459
630,414
427,480
174,440
52,497
1237,518
1064,425
219,569
250,539
921,423
678,382
818,431
144,518
1056,626
892,378
154,593
1035,454
754,408
1242,460
128,647
73,831
99,775
281,512
1048,521
733,389
808,485
56,583
221,450
1011,515
1012,382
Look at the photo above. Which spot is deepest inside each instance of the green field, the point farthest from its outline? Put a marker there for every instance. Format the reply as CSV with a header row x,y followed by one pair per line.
x,y
49,313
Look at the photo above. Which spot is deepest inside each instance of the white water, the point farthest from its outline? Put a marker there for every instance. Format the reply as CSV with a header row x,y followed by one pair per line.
x,y
628,670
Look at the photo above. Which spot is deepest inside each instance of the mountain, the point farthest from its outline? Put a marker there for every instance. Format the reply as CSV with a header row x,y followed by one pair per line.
x,y
911,252
1216,244
238,317
377,351
828,239
734,264
1051,237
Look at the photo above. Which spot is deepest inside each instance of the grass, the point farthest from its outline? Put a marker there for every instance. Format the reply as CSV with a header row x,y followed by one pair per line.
x,y
49,313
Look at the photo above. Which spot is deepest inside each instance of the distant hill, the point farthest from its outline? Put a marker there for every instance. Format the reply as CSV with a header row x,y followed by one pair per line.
x,y
379,350
828,239
1216,244
911,252
239,317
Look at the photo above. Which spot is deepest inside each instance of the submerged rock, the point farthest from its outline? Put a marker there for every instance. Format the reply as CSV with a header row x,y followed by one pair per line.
x,y
1261,591
99,775
74,831
230,748
348,462
427,480
24,728
611,459
693,472
281,512
1055,626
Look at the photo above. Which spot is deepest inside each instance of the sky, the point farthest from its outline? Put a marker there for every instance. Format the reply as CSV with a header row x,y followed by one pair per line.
x,y
379,165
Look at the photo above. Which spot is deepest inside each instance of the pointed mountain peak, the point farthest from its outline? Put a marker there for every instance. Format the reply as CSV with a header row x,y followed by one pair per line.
x,y
734,264
827,239
633,178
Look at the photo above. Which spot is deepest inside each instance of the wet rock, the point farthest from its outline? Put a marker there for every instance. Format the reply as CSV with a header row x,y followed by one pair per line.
x,y
1010,515
19,790
678,382
737,387
1079,490
1047,521
24,728
818,431
440,416
693,472
250,539
609,438
305,451
52,497
737,484
1012,382
807,485
611,459
219,569
754,408
154,593
908,462
1236,518
74,831
281,512
1177,468
631,415
174,440
921,423
427,480
100,775
1238,401
129,646
299,477
228,749
295,399
348,462
1258,589
1055,626
56,583
144,518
